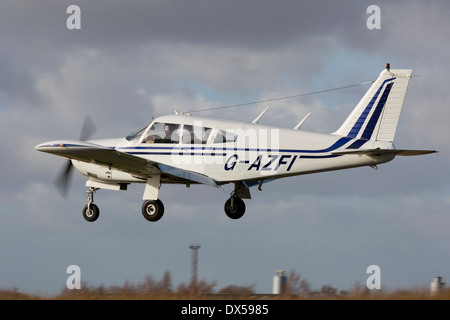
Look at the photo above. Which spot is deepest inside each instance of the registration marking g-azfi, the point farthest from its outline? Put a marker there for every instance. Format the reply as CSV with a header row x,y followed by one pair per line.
x,y
274,162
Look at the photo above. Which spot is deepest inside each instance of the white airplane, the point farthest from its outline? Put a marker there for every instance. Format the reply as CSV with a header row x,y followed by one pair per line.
x,y
186,149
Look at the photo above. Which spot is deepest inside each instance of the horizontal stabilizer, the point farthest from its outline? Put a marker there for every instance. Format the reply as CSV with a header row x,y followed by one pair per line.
x,y
404,152
398,152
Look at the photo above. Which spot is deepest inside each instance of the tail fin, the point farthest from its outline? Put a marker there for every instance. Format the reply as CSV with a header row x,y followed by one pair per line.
x,y
376,115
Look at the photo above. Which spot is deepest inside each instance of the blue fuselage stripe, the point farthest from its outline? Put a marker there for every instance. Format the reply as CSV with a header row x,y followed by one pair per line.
x,y
357,144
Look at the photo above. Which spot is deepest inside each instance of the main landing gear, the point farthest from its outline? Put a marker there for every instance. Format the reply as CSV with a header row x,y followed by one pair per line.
x,y
234,207
153,210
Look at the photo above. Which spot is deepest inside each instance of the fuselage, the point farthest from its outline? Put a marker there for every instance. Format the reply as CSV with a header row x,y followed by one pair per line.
x,y
229,151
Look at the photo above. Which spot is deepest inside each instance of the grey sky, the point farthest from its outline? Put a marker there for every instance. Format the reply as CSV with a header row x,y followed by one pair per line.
x,y
141,59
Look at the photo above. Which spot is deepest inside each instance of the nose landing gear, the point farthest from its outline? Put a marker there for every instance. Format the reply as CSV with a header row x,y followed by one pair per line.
x,y
91,211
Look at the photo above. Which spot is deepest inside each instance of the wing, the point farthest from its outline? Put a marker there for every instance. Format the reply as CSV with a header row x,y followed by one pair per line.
x,y
110,157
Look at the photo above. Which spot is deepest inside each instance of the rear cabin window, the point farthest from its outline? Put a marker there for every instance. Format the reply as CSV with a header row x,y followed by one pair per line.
x,y
195,134
225,136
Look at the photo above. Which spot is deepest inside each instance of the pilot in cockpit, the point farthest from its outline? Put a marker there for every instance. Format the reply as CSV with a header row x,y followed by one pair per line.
x,y
162,133
168,131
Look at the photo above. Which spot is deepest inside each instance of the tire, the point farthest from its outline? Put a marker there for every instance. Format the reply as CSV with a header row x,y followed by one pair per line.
x,y
238,209
92,214
153,210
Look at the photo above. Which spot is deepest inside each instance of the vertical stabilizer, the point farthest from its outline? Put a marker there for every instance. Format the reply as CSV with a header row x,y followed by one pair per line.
x,y
376,115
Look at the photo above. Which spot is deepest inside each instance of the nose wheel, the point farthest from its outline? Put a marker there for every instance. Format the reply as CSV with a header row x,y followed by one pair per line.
x,y
91,211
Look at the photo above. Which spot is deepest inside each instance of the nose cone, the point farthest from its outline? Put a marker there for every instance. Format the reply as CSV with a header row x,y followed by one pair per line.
x,y
40,147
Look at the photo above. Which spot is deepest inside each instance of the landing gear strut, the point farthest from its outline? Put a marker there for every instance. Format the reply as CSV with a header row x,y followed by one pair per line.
x,y
91,211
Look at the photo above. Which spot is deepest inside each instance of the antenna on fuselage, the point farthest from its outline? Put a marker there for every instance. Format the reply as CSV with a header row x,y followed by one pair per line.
x,y
181,112
301,122
260,116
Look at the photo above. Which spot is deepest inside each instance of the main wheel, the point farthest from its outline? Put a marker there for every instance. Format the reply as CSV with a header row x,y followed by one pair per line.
x,y
153,210
92,214
236,210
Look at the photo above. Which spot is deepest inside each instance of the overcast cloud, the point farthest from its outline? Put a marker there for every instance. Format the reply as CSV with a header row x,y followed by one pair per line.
x,y
135,60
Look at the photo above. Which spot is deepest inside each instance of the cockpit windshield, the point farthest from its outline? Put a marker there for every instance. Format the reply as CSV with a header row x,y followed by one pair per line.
x,y
135,135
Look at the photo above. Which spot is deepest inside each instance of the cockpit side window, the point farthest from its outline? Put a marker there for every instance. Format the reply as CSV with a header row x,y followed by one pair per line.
x,y
161,132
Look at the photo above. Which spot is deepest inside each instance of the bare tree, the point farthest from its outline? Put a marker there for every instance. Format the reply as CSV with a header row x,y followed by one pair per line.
x,y
201,287
295,285
165,285
148,286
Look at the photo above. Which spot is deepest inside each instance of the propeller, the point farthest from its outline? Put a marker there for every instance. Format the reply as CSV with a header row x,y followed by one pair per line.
x,y
62,181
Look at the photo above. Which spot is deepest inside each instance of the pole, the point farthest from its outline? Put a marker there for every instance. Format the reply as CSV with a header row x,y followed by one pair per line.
x,y
194,265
